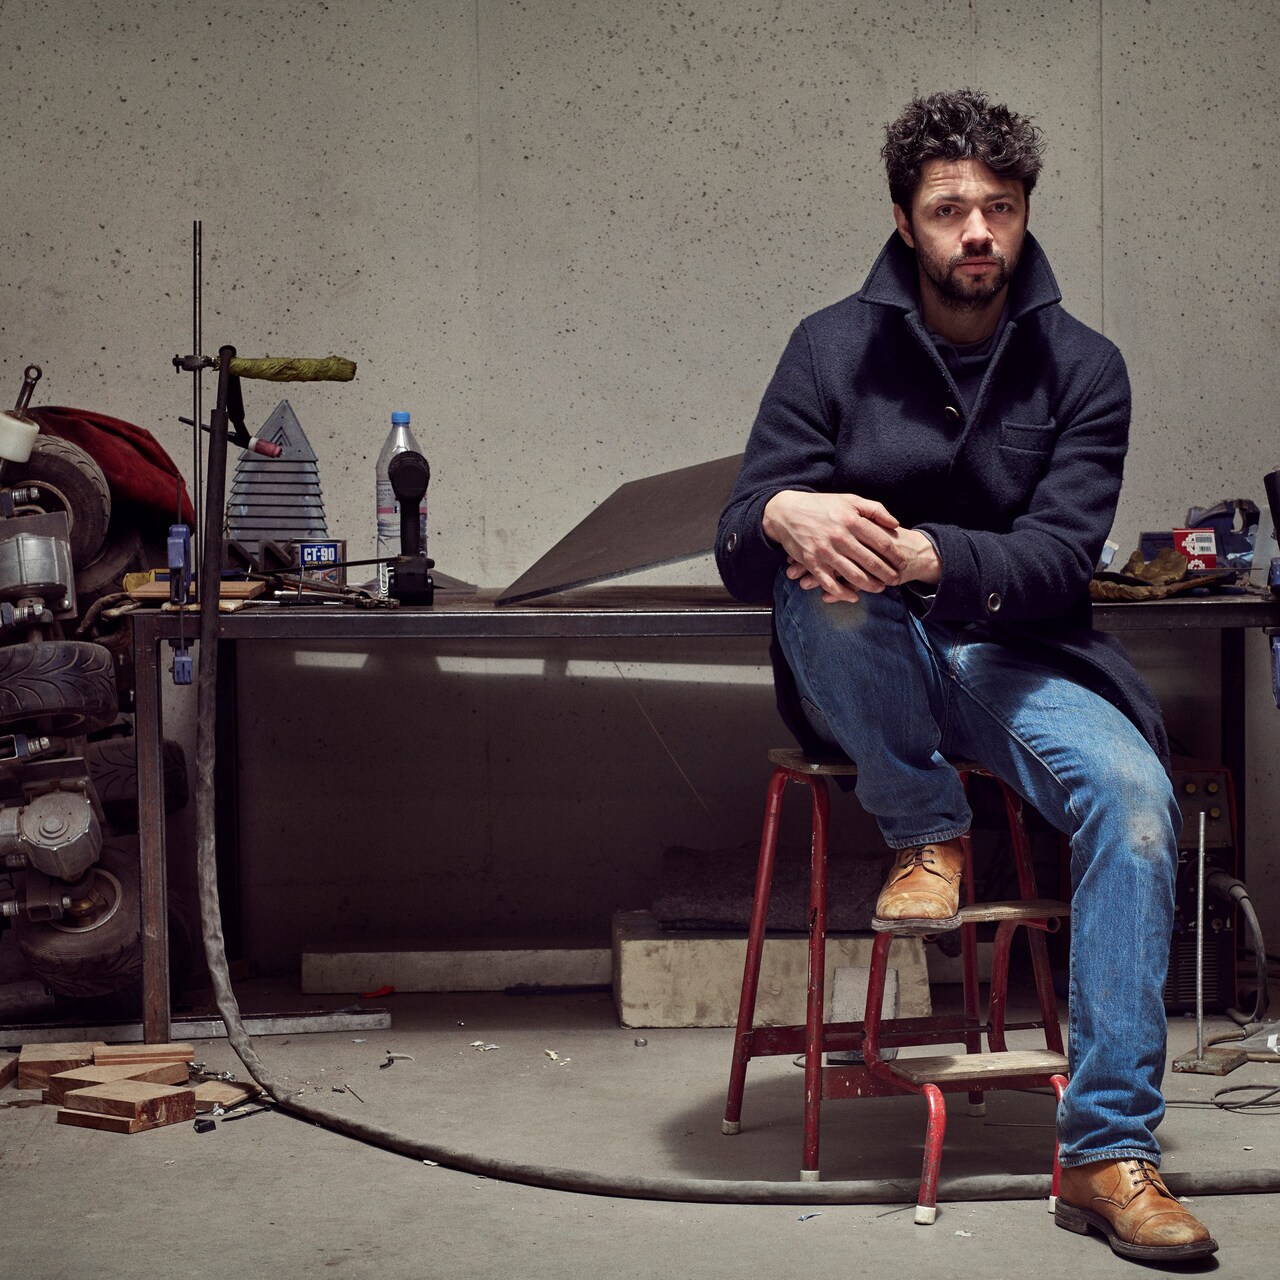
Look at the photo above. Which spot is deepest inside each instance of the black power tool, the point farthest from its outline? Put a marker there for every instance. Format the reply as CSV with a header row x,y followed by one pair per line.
x,y
411,581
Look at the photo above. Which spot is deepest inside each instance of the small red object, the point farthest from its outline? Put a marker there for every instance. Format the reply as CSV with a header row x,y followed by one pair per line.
x,y
378,993
1199,546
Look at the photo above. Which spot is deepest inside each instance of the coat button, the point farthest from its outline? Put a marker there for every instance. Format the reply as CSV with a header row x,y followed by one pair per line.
x,y
731,542
993,602
951,413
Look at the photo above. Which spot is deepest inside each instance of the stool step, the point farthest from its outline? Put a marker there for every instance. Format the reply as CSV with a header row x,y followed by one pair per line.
x,y
1018,909
941,1068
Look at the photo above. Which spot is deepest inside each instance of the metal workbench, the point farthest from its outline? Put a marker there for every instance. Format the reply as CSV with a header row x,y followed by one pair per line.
x,y
597,613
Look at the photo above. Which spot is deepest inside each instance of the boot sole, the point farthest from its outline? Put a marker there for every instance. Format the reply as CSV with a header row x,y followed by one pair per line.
x,y
1082,1221
914,925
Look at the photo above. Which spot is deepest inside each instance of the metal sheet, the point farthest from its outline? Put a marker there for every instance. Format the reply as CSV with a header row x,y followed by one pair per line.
x,y
645,523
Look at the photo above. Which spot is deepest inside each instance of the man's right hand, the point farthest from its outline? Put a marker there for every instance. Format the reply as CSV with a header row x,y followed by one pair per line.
x,y
839,542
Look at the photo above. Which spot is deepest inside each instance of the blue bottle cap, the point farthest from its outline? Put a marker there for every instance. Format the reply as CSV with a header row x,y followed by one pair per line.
x,y
399,418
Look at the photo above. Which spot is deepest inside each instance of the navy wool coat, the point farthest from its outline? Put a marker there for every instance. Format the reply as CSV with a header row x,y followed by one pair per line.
x,y
1018,492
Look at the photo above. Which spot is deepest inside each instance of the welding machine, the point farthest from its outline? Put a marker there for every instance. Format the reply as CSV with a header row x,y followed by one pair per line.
x,y
1203,789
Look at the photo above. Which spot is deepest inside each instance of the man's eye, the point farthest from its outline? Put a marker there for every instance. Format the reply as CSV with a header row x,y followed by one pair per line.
x,y
1002,207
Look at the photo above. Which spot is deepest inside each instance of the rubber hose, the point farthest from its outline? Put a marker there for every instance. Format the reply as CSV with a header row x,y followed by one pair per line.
x,y
1229,888
691,1190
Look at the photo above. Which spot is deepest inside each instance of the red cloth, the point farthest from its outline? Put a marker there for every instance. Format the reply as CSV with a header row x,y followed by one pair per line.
x,y
144,481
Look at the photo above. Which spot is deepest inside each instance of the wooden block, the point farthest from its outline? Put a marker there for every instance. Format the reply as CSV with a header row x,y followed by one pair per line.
x,y
157,1104
83,1077
8,1068
150,592
92,1120
214,1093
37,1062
120,1054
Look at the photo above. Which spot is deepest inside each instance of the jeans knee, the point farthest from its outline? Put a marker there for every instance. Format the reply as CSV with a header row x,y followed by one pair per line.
x,y
1135,812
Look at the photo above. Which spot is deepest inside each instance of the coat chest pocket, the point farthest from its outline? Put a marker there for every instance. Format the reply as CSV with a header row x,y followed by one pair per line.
x,y
1028,437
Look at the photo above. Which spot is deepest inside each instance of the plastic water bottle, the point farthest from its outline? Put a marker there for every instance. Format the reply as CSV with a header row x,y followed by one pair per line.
x,y
400,440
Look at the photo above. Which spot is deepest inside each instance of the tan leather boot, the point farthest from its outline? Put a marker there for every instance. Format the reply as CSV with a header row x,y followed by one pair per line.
x,y
1126,1201
922,892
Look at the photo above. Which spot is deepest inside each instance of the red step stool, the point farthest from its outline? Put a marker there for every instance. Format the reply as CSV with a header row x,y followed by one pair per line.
x,y
973,1072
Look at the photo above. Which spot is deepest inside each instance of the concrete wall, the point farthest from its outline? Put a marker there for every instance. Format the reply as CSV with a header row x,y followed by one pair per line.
x,y
571,238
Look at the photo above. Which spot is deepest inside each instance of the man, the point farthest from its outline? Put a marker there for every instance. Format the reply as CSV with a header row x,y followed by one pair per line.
x,y
925,491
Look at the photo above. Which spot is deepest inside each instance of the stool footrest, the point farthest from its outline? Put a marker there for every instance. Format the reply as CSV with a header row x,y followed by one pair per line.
x,y
948,1068
1017,909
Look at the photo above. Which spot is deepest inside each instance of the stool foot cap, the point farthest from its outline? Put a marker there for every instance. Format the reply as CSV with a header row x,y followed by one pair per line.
x,y
977,1108
809,1175
1053,1204
731,1127
926,1214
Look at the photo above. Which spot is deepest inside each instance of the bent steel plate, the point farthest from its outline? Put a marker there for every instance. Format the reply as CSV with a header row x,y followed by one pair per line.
x,y
645,523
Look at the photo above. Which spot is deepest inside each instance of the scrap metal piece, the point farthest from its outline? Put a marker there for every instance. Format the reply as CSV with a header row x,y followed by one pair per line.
x,y
659,520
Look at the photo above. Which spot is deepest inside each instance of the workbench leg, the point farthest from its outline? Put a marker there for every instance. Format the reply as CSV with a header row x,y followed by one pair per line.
x,y
1233,731
148,732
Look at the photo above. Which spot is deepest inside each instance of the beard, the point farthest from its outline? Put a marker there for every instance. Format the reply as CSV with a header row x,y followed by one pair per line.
x,y
960,292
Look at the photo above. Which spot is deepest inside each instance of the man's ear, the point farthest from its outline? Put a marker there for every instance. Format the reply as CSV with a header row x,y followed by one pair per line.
x,y
904,226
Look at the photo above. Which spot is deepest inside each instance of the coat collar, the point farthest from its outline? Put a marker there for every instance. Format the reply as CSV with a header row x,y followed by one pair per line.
x,y
892,280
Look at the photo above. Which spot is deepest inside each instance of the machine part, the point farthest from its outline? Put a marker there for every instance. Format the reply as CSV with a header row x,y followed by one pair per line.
x,y
58,832
68,686
29,614
40,898
96,947
18,748
68,480
30,376
17,436
113,765
35,562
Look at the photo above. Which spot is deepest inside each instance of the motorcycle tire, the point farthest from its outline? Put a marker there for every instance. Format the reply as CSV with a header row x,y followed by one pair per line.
x,y
65,686
68,480
113,764
102,957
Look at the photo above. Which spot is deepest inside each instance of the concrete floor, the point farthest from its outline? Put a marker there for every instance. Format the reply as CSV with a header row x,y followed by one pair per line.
x,y
274,1196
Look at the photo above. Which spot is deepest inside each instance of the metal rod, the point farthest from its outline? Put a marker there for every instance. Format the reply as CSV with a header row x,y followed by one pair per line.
x,y
197,400
1200,945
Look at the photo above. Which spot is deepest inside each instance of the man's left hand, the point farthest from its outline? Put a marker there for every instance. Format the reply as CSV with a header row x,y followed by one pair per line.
x,y
917,561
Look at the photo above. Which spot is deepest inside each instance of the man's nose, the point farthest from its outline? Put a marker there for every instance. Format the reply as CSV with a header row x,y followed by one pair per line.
x,y
975,233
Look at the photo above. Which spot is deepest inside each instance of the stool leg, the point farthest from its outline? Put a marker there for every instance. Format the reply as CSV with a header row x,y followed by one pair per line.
x,y
935,1131
817,978
969,970
1000,985
1059,1087
732,1122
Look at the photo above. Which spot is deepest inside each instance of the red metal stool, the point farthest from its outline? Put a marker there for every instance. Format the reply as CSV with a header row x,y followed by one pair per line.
x,y
973,1072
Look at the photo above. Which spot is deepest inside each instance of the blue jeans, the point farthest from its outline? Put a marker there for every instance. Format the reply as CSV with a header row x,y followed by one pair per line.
x,y
897,695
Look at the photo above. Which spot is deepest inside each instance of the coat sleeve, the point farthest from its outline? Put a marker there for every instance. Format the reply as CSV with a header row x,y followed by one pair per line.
x,y
791,446
1041,566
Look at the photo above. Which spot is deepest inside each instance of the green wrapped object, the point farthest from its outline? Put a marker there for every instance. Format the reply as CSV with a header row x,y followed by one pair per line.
x,y
294,369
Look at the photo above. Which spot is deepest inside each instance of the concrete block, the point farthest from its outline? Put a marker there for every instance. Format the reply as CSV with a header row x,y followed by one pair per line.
x,y
693,979
459,965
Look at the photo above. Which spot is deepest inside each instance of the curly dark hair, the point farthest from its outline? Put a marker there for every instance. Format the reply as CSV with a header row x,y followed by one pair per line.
x,y
960,125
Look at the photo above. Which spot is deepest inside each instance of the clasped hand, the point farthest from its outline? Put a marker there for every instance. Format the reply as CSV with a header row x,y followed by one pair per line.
x,y
843,544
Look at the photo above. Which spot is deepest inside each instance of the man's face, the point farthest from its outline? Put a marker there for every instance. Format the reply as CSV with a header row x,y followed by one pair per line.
x,y
967,226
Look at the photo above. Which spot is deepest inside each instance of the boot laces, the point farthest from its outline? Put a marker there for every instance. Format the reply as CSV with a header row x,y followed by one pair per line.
x,y
1145,1175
